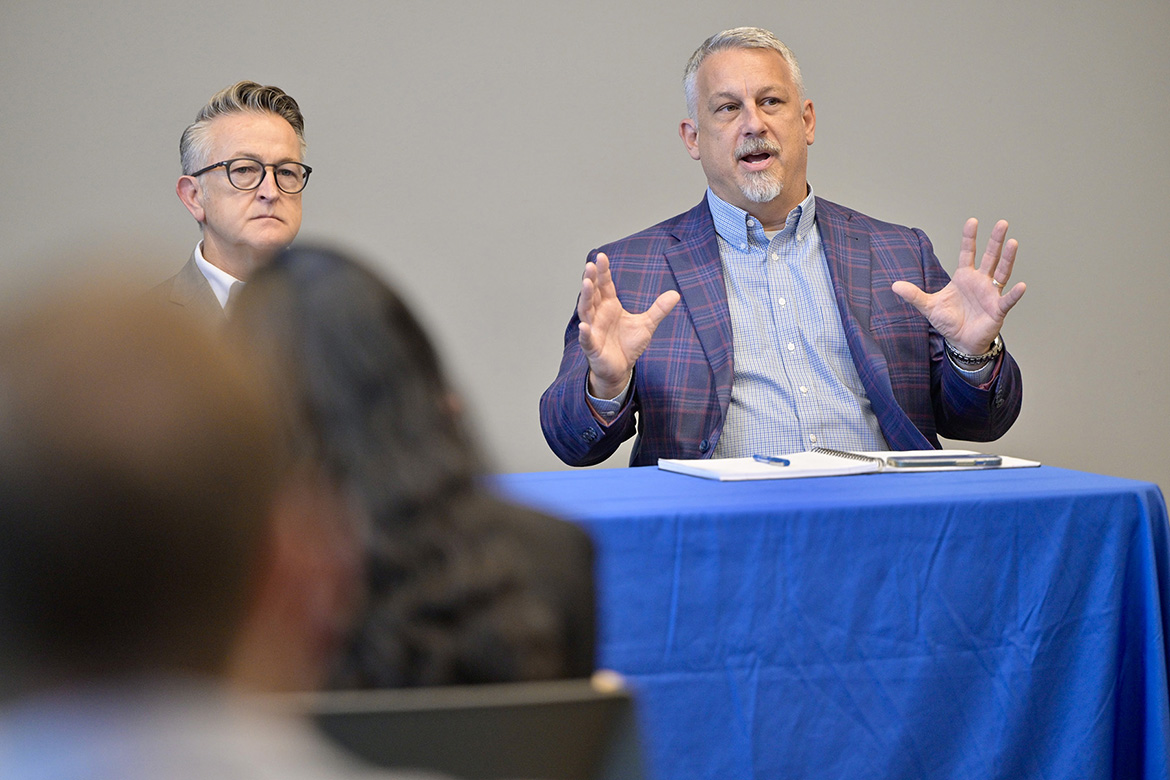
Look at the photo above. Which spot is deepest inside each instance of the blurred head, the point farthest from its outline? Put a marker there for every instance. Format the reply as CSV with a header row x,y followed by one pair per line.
x,y
244,228
139,466
366,385
450,596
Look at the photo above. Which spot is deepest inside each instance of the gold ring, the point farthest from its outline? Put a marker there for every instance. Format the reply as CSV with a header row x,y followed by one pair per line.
x,y
998,284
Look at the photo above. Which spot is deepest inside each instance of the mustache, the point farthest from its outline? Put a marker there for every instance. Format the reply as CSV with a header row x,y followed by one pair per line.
x,y
756,146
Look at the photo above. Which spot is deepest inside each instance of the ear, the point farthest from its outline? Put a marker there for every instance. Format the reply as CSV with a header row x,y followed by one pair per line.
x,y
688,131
810,122
191,194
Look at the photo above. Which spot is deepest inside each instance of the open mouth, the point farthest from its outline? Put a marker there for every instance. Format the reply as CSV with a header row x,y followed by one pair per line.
x,y
755,162
756,153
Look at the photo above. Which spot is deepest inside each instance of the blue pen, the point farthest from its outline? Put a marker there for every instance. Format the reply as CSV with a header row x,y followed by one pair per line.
x,y
771,460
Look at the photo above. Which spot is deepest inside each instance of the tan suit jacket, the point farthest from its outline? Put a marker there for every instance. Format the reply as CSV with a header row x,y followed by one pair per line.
x,y
190,290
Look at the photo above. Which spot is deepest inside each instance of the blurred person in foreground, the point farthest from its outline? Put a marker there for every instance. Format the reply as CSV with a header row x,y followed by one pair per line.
x,y
151,523
243,161
462,587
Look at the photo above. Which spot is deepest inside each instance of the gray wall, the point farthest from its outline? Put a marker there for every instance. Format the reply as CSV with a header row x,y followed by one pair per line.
x,y
475,152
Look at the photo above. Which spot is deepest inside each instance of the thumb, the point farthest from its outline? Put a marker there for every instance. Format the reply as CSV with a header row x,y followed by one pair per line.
x,y
912,294
662,306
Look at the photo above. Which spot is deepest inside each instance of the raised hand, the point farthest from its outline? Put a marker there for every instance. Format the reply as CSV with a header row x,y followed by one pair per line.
x,y
970,310
612,338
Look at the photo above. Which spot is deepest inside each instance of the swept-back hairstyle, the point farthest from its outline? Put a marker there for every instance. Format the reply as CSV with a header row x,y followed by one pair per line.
x,y
736,38
237,98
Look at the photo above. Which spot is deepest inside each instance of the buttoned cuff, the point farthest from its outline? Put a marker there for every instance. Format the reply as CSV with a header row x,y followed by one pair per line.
x,y
607,409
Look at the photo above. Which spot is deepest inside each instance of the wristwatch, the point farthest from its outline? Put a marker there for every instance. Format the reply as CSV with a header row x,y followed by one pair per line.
x,y
975,360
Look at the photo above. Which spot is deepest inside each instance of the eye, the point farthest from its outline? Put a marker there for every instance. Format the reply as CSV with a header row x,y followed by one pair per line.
x,y
246,168
726,108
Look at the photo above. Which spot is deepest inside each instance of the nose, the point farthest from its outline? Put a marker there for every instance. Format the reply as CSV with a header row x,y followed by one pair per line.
x,y
268,189
752,120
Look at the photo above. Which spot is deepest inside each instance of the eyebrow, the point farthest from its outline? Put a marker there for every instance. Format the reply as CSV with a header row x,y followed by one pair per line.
x,y
254,156
718,97
775,90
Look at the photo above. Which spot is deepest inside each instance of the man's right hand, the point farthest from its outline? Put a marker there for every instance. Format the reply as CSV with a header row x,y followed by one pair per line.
x,y
612,338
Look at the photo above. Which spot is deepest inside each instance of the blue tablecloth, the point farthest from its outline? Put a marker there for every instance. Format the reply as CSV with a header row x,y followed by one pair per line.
x,y
982,624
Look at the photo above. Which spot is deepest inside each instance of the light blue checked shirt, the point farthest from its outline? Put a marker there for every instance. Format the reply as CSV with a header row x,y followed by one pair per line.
x,y
795,383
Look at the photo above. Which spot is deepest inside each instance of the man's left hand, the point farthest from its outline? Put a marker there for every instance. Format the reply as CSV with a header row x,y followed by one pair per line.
x,y
970,310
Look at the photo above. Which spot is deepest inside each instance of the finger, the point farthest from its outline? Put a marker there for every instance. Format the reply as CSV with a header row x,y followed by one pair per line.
x,y
585,338
994,248
590,345
585,301
1003,271
604,277
912,294
1012,297
967,244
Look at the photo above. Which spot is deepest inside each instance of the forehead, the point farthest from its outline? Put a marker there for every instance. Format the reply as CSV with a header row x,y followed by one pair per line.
x,y
259,134
743,71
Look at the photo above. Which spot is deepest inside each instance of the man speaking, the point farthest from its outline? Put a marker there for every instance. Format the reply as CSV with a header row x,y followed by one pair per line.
x,y
767,319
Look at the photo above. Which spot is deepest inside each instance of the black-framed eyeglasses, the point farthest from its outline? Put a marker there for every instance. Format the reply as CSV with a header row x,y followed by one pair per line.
x,y
244,173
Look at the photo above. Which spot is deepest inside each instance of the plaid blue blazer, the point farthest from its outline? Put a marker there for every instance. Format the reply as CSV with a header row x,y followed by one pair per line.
x,y
682,382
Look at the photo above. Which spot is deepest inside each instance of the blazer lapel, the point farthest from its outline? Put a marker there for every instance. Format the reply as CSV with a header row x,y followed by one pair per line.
x,y
847,253
192,290
697,270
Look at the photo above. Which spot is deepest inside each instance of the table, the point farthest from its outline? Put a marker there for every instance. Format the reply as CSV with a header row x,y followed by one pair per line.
x,y
979,624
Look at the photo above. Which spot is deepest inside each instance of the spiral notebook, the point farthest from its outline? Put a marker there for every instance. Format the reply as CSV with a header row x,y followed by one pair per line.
x,y
823,462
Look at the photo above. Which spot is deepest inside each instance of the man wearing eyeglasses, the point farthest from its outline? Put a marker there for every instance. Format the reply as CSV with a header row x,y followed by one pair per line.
x,y
243,174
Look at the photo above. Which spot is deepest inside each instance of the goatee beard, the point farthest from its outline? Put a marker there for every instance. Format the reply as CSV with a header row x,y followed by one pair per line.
x,y
761,186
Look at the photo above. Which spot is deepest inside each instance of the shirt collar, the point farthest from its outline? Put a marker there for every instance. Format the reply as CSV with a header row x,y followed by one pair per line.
x,y
220,280
731,222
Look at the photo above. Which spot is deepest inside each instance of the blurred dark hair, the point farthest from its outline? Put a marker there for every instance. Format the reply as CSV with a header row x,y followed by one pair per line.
x,y
365,388
137,466
449,593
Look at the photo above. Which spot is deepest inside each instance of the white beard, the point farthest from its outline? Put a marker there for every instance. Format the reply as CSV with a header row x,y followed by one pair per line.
x,y
761,187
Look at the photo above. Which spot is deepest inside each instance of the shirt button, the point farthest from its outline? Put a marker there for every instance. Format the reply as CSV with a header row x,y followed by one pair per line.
x,y
812,437
783,302
775,255
791,346
803,389
750,221
704,445
743,246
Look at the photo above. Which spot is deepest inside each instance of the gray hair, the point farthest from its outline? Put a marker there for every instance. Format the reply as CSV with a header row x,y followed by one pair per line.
x,y
737,38
239,97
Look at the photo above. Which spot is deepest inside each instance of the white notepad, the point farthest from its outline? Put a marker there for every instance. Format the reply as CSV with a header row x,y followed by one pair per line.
x,y
818,464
